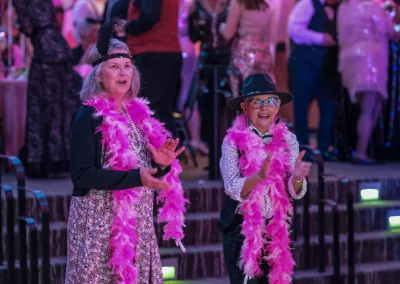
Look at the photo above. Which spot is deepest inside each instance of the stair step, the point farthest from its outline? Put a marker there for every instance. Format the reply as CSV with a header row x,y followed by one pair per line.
x,y
370,273
205,196
380,246
369,247
201,229
58,239
58,267
368,217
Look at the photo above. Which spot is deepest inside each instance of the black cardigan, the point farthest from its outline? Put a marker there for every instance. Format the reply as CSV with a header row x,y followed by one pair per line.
x,y
85,158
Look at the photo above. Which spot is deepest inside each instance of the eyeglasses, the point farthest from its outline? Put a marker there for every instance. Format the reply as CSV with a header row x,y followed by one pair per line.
x,y
258,103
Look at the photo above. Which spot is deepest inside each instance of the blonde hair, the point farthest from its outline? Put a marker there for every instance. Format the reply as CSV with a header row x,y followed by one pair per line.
x,y
91,86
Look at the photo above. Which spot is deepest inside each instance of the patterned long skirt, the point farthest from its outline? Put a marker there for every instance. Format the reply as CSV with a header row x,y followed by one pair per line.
x,y
89,232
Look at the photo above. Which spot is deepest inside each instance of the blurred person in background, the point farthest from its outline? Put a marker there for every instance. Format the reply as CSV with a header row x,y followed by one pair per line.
x,y
17,56
249,23
86,12
80,54
52,90
364,32
152,37
189,74
313,68
205,16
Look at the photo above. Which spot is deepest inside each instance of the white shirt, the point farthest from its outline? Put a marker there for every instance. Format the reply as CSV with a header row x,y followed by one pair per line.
x,y
233,180
299,20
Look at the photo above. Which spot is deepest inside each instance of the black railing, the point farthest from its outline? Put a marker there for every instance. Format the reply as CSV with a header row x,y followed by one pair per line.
x,y
315,156
45,220
215,175
30,224
350,229
10,237
335,247
346,189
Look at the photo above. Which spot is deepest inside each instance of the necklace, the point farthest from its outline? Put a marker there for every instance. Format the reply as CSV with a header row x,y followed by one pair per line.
x,y
137,140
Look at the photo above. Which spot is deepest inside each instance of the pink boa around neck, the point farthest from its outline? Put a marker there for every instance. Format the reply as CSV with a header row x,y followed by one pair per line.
x,y
121,156
277,248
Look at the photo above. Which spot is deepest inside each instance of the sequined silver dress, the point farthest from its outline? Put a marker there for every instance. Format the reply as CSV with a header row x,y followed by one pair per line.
x,y
251,49
89,231
364,31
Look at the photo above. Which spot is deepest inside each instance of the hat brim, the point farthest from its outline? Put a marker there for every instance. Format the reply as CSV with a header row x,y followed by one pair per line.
x,y
283,97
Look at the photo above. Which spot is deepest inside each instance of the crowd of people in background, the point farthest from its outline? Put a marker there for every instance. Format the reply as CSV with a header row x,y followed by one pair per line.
x,y
177,44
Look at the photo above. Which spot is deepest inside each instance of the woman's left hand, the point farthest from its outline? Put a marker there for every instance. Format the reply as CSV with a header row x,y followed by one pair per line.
x,y
166,154
301,169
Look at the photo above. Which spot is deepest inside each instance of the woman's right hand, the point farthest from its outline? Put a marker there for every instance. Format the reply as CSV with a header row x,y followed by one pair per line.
x,y
146,176
252,181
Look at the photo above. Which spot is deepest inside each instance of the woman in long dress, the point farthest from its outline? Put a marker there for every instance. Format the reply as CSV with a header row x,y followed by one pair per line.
x,y
53,88
119,156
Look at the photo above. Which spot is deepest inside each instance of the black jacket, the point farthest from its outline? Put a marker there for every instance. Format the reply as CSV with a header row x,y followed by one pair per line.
x,y
85,158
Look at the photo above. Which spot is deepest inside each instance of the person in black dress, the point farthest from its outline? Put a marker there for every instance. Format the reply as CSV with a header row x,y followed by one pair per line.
x,y
205,16
52,90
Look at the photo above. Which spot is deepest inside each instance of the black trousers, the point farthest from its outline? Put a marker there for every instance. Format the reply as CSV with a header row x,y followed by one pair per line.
x,y
308,81
160,76
232,242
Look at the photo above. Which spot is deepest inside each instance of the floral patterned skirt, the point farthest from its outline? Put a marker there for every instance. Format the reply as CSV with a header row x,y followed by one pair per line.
x,y
89,232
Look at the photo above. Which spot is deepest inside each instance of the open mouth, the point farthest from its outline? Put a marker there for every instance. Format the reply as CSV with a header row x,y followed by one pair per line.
x,y
122,82
264,116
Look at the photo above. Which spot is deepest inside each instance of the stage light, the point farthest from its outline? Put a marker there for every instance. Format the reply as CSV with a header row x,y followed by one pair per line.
x,y
393,219
169,272
169,267
369,194
369,191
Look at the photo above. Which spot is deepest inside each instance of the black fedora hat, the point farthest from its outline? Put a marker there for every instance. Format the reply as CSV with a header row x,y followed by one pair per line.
x,y
259,84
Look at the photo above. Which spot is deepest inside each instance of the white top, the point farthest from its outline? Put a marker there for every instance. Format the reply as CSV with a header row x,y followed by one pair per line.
x,y
299,20
234,181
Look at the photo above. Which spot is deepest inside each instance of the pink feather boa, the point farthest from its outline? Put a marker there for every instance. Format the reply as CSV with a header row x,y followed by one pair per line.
x,y
115,131
277,249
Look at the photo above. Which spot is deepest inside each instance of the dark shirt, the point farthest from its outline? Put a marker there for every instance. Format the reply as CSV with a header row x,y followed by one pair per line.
x,y
120,9
86,162
150,13
203,32
77,54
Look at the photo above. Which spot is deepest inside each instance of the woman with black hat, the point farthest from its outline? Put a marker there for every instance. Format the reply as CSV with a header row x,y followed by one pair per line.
x,y
262,172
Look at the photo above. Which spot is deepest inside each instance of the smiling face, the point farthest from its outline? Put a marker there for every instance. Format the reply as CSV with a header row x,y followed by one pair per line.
x,y
116,75
261,111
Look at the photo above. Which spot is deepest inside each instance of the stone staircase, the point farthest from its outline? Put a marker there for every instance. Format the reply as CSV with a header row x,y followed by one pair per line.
x,y
377,249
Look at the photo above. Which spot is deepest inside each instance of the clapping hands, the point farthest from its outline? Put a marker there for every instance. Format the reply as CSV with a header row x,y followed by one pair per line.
x,y
166,154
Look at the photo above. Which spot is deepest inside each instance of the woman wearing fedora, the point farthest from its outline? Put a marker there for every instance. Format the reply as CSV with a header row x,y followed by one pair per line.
x,y
262,172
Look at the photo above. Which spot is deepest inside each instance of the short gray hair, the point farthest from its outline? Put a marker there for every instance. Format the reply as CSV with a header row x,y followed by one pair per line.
x,y
91,86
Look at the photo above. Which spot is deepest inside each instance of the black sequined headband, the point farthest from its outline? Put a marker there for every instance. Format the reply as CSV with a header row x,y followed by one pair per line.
x,y
104,38
110,56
